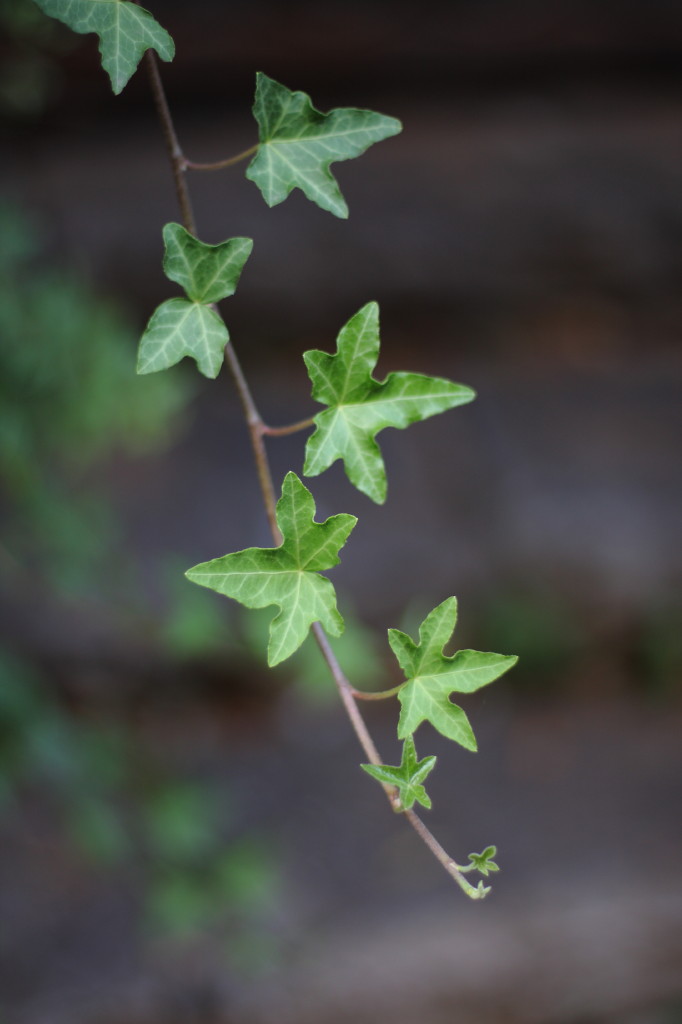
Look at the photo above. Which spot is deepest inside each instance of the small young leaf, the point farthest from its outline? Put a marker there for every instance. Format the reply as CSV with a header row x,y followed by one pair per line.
x,y
180,327
298,143
478,892
432,676
287,576
360,406
407,777
483,862
125,31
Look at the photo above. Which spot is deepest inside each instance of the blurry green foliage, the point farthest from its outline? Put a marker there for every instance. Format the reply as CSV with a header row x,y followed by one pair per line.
x,y
544,630
119,808
178,822
657,660
68,399
195,624
30,74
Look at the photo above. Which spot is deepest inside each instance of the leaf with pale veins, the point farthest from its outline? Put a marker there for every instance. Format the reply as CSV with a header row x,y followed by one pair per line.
x,y
407,777
125,32
287,576
432,676
360,406
297,143
191,327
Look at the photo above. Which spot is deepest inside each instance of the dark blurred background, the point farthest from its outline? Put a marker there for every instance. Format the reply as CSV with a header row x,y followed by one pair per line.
x,y
184,835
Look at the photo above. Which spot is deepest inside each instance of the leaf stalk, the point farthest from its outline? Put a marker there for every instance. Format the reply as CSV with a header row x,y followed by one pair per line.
x,y
257,430
291,428
218,165
175,153
376,694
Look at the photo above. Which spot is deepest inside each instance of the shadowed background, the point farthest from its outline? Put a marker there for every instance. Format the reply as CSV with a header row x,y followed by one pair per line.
x,y
186,836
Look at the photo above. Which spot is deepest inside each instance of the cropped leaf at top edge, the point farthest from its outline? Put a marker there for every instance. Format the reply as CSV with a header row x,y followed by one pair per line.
x,y
360,406
406,777
297,143
208,273
432,676
125,32
287,576
179,328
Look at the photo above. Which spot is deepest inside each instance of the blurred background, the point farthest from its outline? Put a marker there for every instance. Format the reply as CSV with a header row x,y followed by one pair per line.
x,y
185,836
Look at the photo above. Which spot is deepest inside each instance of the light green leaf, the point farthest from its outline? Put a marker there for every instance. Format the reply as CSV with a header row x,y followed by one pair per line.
x,y
125,31
483,862
298,143
181,328
360,406
287,576
208,273
432,676
407,777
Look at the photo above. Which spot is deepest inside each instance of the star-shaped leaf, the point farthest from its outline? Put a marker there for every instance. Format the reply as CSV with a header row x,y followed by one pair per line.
x,y
297,144
407,777
287,576
432,676
483,862
125,31
360,406
190,327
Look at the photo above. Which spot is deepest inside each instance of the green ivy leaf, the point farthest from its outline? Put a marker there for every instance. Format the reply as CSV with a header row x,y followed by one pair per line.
x,y
407,777
189,327
298,143
208,273
483,862
432,676
125,31
179,328
287,576
360,406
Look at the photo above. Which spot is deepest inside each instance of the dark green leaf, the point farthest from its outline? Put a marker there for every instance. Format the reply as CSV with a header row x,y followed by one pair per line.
x,y
125,31
208,273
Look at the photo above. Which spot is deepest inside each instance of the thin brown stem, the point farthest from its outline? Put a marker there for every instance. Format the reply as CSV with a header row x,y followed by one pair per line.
x,y
218,165
442,855
174,151
257,431
376,694
255,425
346,693
292,428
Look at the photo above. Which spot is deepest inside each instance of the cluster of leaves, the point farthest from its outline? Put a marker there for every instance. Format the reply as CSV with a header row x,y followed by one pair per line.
x,y
296,146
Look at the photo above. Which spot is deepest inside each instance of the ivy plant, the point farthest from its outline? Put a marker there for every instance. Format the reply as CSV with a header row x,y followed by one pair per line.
x,y
296,146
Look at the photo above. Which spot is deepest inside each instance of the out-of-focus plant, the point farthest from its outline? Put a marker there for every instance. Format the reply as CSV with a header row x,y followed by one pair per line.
x,y
30,69
68,401
120,809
